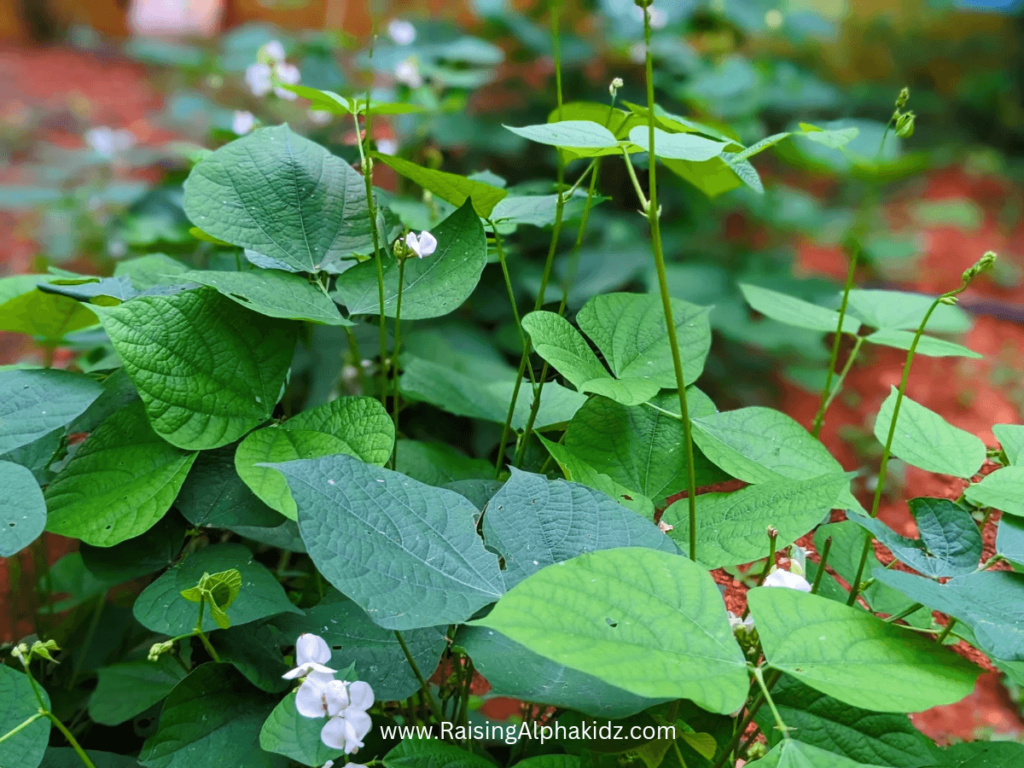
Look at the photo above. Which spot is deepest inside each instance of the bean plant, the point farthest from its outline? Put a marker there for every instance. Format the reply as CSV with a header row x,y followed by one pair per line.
x,y
297,572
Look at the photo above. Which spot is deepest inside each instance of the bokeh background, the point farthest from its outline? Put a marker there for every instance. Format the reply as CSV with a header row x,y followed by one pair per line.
x,y
104,105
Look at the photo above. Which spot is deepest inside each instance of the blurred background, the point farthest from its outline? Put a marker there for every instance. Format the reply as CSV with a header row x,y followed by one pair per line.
x,y
105,104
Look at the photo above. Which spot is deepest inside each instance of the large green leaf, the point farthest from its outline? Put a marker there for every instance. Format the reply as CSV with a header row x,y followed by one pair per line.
x,y
855,657
406,553
36,402
66,757
212,717
797,754
119,484
513,670
982,754
273,293
1010,539
899,310
282,196
581,134
161,608
533,522
990,603
950,542
129,688
732,528
18,704
357,426
640,447
374,650
24,309
793,311
928,441
207,369
214,496
22,508
1003,490
648,622
450,187
288,733
677,146
432,286
928,346
154,550
1011,438
857,734
432,753
438,463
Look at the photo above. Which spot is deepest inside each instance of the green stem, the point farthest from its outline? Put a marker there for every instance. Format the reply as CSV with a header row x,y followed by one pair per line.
x,y
636,182
821,566
198,632
905,612
826,391
398,337
71,740
945,632
884,468
434,708
357,359
752,711
771,704
653,218
23,726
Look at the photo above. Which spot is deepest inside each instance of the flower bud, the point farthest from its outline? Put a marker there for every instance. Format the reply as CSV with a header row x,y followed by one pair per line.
x,y
903,98
614,86
905,125
643,3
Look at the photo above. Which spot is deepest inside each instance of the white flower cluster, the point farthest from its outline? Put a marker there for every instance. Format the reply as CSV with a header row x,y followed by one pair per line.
x,y
271,71
320,695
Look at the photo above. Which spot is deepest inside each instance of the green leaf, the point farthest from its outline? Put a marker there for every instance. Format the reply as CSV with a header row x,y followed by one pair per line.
x,y
982,754
714,177
255,651
927,441
1003,490
22,509
762,145
796,754
1011,438
214,496
406,553
640,447
522,516
18,704
288,733
797,312
582,134
438,464
36,402
852,656
129,688
648,622
375,651
899,310
119,484
431,753
432,286
161,608
950,542
927,345
835,138
24,309
848,732
732,528
356,426
153,551
677,146
282,196
1010,539
236,362
151,271
273,293
990,603
212,717
514,671
450,187
66,757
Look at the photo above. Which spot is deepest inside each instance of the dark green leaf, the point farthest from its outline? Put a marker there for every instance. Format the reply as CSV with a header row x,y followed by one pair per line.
x,y
450,187
130,688
18,704
273,293
36,402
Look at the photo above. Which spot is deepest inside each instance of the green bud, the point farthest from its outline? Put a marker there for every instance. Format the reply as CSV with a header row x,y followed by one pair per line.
x,y
159,649
903,98
905,125
400,249
643,3
42,649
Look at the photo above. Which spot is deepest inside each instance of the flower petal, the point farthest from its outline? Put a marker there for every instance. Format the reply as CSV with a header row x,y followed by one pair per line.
x,y
333,733
311,648
428,244
360,722
781,578
337,697
413,244
310,701
361,695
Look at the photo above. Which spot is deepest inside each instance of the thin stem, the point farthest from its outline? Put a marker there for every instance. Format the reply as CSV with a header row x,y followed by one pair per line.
x,y
770,562
752,711
357,359
653,218
821,566
635,180
398,338
198,632
771,704
434,708
857,345
884,468
904,613
71,740
23,726
826,391
945,632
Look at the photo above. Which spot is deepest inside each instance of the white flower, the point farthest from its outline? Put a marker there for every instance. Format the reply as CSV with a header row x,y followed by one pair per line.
x,y
336,697
346,731
401,31
360,695
422,246
273,51
289,75
735,622
658,17
318,116
387,147
109,142
408,72
243,122
260,79
781,578
311,698
311,653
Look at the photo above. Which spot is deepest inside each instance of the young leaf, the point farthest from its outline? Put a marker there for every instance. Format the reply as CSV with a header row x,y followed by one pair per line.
x,y
214,715
834,139
17,704
273,293
793,311
36,402
22,509
648,622
1011,438
357,426
450,187
521,517
161,608
406,553
283,196
732,528
950,542
677,146
129,688
1003,490
926,440
119,484
582,134
926,345
432,286
235,359
286,732
854,657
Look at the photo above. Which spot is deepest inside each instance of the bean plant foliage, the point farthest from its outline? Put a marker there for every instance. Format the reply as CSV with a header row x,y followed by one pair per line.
x,y
276,570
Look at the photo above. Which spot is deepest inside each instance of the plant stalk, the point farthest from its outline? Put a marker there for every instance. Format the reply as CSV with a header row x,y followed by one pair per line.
x,y
434,708
826,391
398,337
